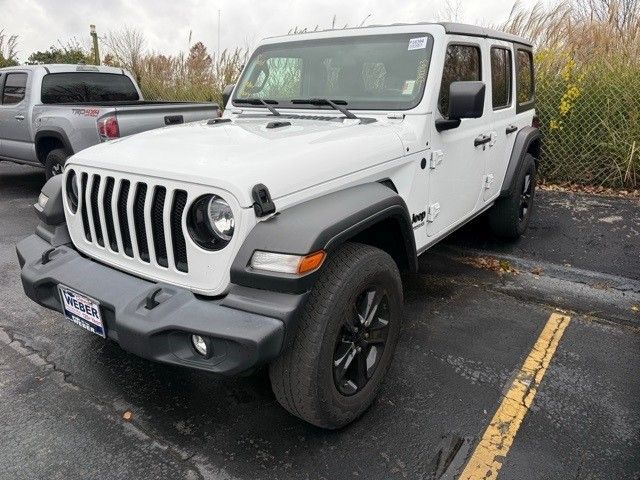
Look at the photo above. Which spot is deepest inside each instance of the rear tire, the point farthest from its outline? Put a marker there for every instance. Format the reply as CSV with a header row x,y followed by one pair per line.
x,y
335,366
510,216
54,163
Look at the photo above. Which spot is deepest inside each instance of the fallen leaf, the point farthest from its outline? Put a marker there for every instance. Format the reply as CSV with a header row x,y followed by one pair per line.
x,y
635,308
536,271
589,190
498,266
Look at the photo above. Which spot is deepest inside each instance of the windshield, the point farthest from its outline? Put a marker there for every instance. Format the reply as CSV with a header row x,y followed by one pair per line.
x,y
87,87
382,72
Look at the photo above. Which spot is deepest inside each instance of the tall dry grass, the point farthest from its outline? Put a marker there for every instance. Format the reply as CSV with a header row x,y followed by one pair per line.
x,y
195,75
587,88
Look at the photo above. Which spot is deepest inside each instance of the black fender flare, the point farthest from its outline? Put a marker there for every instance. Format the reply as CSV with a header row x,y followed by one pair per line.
x,y
323,223
52,132
525,138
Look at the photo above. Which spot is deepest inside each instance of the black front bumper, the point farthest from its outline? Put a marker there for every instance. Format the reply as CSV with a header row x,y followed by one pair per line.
x,y
247,326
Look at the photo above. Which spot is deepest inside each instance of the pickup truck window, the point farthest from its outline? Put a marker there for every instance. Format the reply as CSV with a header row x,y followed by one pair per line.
x,y
461,64
87,87
377,72
14,89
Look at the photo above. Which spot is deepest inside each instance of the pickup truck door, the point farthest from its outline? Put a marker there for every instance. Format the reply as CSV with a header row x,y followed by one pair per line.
x,y
15,127
457,164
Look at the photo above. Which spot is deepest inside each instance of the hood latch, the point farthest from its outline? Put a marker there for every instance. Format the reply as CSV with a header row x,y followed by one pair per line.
x,y
263,205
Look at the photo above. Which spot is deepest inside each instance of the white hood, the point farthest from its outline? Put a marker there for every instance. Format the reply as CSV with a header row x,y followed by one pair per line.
x,y
236,156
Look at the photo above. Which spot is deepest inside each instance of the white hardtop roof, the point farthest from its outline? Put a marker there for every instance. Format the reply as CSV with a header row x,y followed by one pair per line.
x,y
449,27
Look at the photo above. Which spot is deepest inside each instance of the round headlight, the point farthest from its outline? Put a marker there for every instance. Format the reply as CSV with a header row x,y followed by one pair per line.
x,y
72,190
220,218
210,222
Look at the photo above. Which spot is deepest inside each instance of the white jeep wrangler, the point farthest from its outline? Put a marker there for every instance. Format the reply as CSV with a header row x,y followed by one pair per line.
x,y
276,235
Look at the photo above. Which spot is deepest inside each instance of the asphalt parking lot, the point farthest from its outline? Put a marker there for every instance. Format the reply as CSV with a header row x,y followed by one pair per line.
x,y
478,315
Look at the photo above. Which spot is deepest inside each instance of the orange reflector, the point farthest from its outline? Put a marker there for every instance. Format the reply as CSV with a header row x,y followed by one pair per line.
x,y
311,262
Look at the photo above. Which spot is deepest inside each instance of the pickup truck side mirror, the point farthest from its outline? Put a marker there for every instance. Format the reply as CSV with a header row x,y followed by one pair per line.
x,y
226,94
466,100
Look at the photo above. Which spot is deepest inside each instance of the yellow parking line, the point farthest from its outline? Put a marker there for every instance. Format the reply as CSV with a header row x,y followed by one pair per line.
x,y
487,458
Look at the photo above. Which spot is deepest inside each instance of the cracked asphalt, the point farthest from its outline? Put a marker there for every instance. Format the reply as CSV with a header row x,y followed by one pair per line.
x,y
472,316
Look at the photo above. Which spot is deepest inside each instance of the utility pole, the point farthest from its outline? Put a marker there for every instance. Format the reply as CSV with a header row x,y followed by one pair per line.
x,y
96,52
218,54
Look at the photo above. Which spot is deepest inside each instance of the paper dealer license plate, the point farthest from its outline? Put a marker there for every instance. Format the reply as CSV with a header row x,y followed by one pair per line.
x,y
82,310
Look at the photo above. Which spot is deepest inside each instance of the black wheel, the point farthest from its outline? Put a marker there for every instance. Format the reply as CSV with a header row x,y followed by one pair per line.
x,y
345,339
510,216
54,163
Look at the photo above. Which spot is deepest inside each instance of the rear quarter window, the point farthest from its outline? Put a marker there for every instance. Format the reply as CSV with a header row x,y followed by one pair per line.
x,y
87,87
524,79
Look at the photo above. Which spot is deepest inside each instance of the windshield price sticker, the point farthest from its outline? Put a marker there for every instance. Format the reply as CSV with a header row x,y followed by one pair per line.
x,y
417,43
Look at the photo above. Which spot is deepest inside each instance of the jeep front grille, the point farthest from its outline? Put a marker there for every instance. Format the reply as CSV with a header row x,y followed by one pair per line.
x,y
136,219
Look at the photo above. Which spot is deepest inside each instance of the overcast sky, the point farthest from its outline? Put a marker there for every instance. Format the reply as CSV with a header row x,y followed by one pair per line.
x,y
166,23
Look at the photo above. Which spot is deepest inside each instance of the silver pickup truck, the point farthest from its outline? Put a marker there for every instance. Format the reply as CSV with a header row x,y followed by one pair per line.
x,y
50,112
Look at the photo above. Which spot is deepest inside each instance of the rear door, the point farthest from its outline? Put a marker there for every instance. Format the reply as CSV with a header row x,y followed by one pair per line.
x,y
503,115
457,165
512,105
15,117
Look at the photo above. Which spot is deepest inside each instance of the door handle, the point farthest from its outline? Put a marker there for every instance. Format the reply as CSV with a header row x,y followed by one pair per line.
x,y
19,117
481,140
511,129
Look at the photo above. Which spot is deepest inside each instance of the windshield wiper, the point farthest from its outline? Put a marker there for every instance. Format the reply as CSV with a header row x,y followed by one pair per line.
x,y
260,101
336,104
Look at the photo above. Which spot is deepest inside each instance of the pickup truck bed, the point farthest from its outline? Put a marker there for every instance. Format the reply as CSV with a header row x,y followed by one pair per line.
x,y
80,121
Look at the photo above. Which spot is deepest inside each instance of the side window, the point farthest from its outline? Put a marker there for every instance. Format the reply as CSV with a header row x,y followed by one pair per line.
x,y
524,80
14,89
501,68
462,63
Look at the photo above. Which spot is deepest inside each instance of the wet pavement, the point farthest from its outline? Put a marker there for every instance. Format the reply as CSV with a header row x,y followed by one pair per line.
x,y
472,316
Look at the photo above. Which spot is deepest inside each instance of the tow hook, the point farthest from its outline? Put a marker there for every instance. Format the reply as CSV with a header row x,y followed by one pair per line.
x,y
46,256
150,301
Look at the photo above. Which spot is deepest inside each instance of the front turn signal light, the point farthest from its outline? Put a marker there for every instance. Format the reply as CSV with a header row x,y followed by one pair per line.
x,y
287,263
311,262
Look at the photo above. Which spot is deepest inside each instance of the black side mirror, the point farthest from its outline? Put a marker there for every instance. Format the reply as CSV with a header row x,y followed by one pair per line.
x,y
466,100
226,94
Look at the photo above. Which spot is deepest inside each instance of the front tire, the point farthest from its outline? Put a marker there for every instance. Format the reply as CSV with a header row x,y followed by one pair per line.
x,y
54,163
510,216
344,341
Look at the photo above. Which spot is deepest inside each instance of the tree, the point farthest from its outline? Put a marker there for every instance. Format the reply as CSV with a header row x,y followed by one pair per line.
x,y
199,65
72,52
8,50
57,55
126,48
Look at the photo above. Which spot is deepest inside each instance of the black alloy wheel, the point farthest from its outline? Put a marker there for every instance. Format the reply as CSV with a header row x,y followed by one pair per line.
x,y
361,341
526,197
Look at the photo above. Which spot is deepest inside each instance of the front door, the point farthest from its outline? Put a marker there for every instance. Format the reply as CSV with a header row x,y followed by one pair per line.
x,y
459,155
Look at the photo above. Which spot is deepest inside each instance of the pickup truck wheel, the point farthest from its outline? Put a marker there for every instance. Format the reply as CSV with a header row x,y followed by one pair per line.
x,y
510,216
345,339
54,163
